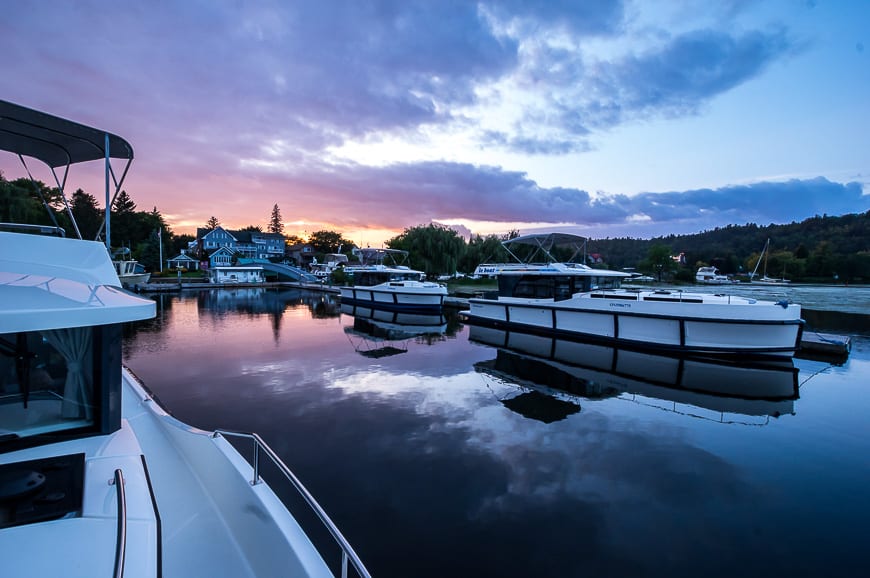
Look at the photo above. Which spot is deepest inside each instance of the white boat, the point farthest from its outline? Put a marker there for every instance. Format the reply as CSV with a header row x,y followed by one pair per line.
x,y
578,371
572,299
131,273
96,478
710,276
394,287
764,279
332,262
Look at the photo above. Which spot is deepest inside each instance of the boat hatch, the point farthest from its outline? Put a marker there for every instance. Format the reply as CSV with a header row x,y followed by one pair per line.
x,y
55,384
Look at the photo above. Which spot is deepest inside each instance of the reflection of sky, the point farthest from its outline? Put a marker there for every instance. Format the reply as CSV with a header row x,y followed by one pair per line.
x,y
414,456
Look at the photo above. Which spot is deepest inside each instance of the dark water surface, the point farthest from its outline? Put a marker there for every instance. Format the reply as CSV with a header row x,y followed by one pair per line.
x,y
441,456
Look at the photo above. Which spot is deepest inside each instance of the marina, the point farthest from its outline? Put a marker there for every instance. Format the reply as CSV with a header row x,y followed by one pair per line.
x,y
424,451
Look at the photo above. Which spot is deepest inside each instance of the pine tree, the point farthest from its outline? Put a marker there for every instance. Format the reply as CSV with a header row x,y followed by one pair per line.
x,y
212,223
275,224
123,204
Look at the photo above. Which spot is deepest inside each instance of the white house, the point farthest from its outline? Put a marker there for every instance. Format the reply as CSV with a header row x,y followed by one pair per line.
x,y
238,274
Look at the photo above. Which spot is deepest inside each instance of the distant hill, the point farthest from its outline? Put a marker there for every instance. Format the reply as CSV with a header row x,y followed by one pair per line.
x,y
819,249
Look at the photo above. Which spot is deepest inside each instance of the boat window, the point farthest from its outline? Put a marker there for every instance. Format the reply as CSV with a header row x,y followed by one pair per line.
x,y
527,286
562,288
47,382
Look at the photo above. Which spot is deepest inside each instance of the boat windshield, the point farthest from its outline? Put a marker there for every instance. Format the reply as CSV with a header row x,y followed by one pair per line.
x,y
556,287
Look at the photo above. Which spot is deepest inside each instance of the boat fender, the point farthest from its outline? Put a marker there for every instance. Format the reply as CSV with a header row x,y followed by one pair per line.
x,y
783,303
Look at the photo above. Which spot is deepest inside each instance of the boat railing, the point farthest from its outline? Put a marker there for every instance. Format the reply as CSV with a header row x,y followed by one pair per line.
x,y
121,541
33,229
260,447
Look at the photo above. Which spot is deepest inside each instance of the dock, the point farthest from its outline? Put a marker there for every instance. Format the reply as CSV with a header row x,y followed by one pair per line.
x,y
825,345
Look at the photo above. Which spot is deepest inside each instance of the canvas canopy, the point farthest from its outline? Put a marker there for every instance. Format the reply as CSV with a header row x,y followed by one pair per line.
x,y
55,141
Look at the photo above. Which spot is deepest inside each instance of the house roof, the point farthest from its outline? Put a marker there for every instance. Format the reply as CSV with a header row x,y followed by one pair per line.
x,y
183,257
225,249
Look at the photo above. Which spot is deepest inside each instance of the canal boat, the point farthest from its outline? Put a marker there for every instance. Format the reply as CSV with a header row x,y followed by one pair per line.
x,y
576,371
392,285
96,478
575,300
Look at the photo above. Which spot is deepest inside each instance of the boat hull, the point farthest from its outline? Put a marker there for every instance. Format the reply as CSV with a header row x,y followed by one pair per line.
x,y
728,329
416,297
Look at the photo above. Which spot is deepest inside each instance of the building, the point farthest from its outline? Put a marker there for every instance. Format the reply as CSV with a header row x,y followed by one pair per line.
x,y
246,244
237,274
183,261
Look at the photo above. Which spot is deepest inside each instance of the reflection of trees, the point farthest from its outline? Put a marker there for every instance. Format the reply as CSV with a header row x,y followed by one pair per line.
x,y
253,302
324,306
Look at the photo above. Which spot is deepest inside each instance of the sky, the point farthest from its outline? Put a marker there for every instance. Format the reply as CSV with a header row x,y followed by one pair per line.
x,y
600,118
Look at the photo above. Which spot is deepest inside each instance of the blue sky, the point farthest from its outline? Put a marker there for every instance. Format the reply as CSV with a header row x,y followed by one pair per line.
x,y
596,117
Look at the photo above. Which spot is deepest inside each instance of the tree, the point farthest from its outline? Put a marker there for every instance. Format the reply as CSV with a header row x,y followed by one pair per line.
x,y
482,250
87,213
659,260
275,224
253,229
212,223
123,204
327,241
433,249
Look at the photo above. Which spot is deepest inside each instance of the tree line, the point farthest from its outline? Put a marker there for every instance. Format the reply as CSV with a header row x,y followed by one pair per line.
x,y
818,249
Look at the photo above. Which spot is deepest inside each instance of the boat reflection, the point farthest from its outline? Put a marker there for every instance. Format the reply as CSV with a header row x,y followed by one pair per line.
x,y
380,333
575,371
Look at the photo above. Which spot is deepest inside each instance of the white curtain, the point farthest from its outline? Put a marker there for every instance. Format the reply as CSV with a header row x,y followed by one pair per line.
x,y
74,344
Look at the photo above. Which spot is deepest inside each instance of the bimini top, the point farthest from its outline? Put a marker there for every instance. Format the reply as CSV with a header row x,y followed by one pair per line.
x,y
55,283
55,141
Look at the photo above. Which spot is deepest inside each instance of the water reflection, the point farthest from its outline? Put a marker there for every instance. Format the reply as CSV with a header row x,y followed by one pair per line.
x,y
379,333
549,370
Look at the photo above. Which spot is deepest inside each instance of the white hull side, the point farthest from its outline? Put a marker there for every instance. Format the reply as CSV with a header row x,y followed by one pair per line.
x,y
701,327
396,296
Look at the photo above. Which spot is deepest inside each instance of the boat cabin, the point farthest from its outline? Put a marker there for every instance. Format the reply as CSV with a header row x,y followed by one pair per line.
x,y
556,286
59,384
372,278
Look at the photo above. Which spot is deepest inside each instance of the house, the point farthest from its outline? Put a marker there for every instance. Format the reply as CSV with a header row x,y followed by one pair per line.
x,y
247,244
302,254
221,257
595,258
238,274
183,261
257,245
208,240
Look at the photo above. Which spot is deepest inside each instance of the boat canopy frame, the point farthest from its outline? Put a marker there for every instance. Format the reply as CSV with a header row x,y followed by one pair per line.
x,y
544,243
59,142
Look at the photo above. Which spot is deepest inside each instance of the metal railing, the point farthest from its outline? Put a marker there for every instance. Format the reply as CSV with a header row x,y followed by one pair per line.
x,y
121,543
347,552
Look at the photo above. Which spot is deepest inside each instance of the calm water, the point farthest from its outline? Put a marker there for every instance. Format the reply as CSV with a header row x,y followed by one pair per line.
x,y
439,456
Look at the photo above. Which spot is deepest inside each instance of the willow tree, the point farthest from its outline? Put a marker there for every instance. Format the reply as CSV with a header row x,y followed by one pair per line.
x,y
434,249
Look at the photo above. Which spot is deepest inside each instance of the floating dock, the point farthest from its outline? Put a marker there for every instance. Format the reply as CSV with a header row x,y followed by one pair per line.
x,y
827,345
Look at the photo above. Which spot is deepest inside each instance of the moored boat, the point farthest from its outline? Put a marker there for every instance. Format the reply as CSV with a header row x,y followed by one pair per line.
x,y
96,478
764,279
394,286
572,299
710,276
